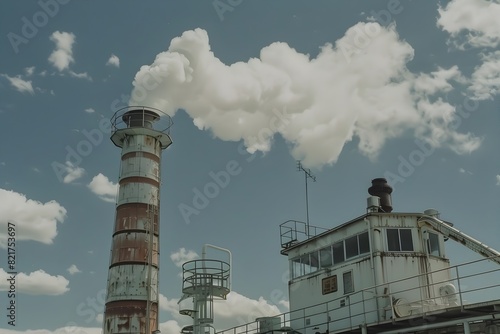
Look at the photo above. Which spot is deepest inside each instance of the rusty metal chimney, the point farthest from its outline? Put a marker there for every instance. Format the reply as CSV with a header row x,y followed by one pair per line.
x,y
132,289
383,190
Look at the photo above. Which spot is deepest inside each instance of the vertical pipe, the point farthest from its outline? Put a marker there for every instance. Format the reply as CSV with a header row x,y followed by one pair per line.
x,y
459,288
378,266
373,248
204,254
466,327
307,208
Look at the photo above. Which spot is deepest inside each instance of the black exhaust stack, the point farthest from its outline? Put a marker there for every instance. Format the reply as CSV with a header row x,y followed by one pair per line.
x,y
383,190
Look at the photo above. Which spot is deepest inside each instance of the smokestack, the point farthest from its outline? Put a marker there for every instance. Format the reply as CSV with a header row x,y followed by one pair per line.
x,y
383,190
132,289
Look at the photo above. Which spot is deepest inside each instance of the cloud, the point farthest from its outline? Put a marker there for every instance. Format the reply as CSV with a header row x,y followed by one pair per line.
x,y
35,283
83,75
464,171
90,110
498,180
22,86
63,330
29,70
73,269
113,61
62,56
33,220
349,91
169,305
244,309
471,23
102,187
236,310
183,255
485,81
170,327
438,81
73,172
285,303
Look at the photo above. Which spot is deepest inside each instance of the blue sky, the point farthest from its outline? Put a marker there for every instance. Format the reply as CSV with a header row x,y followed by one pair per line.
x,y
355,90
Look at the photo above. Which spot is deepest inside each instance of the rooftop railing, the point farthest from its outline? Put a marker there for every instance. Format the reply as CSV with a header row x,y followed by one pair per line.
x,y
141,116
470,286
293,231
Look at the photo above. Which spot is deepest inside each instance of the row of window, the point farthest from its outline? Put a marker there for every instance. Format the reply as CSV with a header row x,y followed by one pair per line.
x,y
331,255
433,245
398,240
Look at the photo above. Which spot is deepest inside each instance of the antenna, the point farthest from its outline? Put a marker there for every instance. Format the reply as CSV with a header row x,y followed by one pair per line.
x,y
308,175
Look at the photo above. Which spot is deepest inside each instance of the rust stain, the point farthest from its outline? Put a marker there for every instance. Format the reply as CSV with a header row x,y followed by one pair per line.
x,y
129,317
133,247
133,216
138,179
146,155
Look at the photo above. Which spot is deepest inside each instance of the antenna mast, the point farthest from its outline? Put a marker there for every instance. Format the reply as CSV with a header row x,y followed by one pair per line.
x,y
307,175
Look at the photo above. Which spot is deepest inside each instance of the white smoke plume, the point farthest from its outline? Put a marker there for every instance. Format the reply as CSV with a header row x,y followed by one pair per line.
x,y
358,88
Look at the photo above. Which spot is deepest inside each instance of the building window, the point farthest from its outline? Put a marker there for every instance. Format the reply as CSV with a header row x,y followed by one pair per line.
x,y
399,240
348,282
306,267
329,284
356,245
329,256
364,243
351,247
338,252
304,264
313,261
406,240
325,256
433,244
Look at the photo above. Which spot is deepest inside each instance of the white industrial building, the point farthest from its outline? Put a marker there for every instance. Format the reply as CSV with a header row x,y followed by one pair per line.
x,y
384,272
